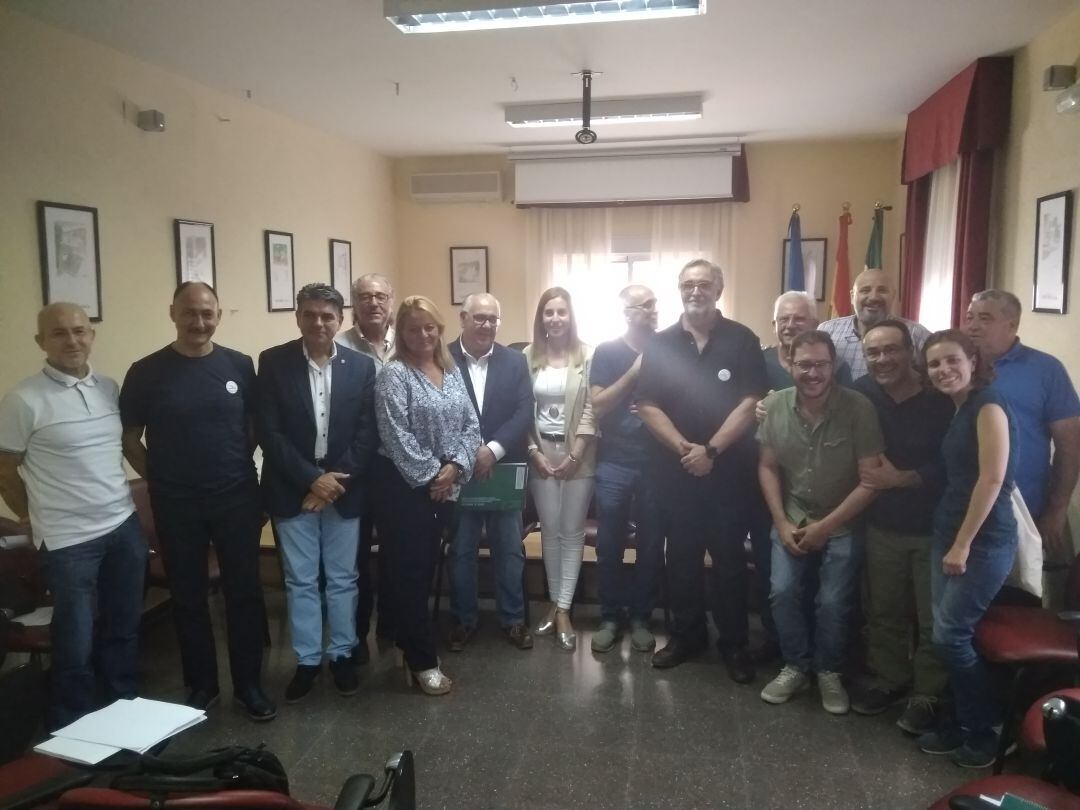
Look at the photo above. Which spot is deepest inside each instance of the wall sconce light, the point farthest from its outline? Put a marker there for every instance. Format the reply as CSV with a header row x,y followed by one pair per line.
x,y
151,120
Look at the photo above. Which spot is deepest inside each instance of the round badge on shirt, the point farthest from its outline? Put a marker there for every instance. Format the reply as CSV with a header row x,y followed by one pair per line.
x,y
723,375
231,387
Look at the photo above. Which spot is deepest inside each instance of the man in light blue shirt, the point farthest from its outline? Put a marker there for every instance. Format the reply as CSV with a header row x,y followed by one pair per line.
x,y
1044,401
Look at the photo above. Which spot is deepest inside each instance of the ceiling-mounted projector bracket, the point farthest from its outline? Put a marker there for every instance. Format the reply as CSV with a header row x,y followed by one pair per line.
x,y
585,136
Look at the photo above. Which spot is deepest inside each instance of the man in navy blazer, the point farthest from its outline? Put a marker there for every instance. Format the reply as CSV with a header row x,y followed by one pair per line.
x,y
316,424
498,382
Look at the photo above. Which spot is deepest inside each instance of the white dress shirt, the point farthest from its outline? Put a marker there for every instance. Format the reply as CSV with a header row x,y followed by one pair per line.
x,y
319,380
478,371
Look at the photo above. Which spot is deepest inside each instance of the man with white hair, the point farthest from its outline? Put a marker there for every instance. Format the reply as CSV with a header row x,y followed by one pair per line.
x,y
500,388
873,297
62,469
1044,402
794,312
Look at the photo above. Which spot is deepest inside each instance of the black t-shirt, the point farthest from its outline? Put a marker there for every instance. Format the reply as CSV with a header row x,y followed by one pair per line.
x,y
699,390
196,412
623,436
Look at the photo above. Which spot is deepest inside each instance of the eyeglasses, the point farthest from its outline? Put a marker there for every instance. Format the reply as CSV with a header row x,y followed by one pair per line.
x,y
812,365
647,306
883,352
367,298
484,320
692,286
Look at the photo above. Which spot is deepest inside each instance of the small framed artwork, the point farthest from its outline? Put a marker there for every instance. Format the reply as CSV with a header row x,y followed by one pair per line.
x,y
280,283
813,255
1053,234
194,252
341,268
70,256
468,272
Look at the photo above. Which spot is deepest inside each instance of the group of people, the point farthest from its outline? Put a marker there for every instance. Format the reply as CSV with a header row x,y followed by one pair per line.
x,y
859,450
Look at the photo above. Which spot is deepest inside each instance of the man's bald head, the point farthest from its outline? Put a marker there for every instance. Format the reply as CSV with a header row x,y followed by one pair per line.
x,y
639,307
872,296
474,301
66,336
196,313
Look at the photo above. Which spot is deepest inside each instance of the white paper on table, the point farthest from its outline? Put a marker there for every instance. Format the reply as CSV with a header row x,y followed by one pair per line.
x,y
38,617
136,725
84,753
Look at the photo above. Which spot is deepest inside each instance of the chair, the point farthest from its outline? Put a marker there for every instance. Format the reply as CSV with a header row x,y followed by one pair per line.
x,y
1026,637
23,565
155,572
1025,787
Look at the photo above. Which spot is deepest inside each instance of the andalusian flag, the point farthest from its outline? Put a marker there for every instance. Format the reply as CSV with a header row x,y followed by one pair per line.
x,y
796,277
841,292
877,233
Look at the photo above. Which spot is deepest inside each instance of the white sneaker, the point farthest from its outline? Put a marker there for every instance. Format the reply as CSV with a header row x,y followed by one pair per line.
x,y
784,686
834,697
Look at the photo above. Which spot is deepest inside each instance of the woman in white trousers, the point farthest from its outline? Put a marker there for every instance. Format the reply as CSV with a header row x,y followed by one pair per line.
x,y
562,452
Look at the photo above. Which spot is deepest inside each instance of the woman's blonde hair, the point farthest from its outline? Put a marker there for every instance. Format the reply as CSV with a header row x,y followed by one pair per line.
x,y
419,303
539,350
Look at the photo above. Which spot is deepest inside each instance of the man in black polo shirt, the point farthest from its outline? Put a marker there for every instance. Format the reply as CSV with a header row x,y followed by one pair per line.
x,y
913,419
195,400
700,380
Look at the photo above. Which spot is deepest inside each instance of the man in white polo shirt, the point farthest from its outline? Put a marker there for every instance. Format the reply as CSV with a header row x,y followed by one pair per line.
x,y
61,467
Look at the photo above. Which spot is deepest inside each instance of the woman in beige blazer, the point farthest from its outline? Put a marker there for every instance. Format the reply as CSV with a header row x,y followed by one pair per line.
x,y
562,452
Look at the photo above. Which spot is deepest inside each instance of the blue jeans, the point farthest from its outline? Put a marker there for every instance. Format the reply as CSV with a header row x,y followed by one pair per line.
x,y
832,607
504,540
306,540
615,488
959,604
103,576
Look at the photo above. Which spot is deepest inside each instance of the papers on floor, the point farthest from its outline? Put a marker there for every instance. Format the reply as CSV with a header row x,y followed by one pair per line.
x,y
38,617
134,725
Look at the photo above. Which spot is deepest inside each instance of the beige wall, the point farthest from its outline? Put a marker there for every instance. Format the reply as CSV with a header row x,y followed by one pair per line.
x,y
63,137
1043,157
819,176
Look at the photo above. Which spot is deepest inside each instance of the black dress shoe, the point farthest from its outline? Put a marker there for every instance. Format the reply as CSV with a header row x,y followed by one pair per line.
x,y
203,698
675,652
255,702
302,682
361,654
740,666
344,671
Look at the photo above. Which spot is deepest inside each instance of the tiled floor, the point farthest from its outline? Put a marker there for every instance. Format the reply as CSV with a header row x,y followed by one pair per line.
x,y
550,729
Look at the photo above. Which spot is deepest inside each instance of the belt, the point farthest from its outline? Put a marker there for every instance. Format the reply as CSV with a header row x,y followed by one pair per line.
x,y
554,437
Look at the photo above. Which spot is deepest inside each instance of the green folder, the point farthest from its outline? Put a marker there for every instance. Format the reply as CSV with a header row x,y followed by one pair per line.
x,y
504,490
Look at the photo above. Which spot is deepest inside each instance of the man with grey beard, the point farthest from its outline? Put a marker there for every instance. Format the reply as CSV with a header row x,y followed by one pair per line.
x,y
873,298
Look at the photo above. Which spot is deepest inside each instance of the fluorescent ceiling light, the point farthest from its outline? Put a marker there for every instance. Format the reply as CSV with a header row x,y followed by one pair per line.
x,y
430,16
610,111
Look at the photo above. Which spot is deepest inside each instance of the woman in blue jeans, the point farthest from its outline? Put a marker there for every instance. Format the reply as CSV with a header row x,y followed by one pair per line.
x,y
974,541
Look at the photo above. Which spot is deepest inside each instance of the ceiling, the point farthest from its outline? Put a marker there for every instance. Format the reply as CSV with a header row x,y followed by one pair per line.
x,y
769,69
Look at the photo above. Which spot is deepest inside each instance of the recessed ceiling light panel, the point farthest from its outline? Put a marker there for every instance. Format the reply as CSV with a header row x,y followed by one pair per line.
x,y
432,16
610,111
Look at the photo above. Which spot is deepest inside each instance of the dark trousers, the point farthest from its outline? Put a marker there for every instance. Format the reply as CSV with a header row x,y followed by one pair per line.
x,y
415,525
761,546
232,522
369,525
701,515
97,589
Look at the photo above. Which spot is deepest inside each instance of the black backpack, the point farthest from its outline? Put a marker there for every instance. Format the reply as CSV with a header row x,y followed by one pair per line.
x,y
232,768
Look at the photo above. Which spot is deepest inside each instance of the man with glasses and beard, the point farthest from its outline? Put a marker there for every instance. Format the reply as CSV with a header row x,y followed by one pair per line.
x,y
816,440
873,298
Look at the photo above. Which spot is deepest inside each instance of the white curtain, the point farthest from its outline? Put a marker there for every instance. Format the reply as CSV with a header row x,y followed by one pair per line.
x,y
682,233
939,257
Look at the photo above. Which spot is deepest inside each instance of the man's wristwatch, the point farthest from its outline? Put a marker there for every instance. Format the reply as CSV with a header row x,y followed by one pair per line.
x,y
711,452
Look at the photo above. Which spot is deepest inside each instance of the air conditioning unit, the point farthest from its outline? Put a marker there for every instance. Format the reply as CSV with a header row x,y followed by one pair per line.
x,y
456,187
648,173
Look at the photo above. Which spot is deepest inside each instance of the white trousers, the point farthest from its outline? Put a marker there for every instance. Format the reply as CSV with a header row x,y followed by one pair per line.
x,y
561,507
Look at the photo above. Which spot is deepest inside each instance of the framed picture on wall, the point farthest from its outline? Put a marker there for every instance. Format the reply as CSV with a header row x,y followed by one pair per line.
x,y
70,256
468,272
280,279
1053,234
813,254
194,252
341,269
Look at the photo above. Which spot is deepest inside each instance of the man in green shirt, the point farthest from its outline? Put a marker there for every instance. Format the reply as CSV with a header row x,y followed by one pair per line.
x,y
815,441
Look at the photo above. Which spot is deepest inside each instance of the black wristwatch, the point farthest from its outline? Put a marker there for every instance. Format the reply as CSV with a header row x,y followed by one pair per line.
x,y
711,452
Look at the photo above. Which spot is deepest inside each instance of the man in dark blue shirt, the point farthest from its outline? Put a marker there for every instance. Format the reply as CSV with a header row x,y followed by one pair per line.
x,y
195,400
624,485
913,419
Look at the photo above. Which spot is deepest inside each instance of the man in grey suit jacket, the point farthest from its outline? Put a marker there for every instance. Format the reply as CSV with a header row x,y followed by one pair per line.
x,y
498,382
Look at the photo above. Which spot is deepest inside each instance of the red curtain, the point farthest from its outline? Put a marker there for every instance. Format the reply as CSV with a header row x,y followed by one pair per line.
x,y
967,118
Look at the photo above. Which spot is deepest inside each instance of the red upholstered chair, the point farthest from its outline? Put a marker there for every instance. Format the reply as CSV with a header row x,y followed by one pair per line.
x,y
1032,735
1024,787
1026,637
155,574
24,565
